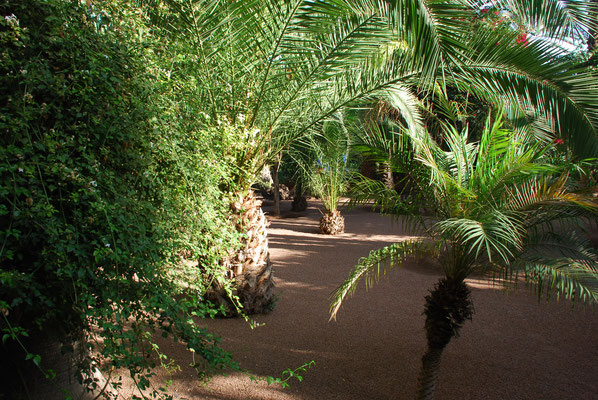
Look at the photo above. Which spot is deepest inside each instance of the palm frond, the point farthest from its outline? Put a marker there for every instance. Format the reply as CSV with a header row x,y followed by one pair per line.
x,y
561,263
461,155
573,111
310,56
430,30
370,268
537,192
554,19
497,235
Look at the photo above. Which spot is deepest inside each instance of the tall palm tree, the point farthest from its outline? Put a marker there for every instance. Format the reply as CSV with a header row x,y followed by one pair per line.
x,y
277,70
498,208
273,71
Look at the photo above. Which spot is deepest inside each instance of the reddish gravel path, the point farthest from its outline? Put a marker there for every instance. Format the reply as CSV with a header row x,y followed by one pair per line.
x,y
515,347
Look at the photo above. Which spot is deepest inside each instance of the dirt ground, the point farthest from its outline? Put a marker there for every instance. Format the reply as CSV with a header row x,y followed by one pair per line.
x,y
515,347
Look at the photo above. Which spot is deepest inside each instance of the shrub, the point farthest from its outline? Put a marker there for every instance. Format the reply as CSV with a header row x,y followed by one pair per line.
x,y
101,186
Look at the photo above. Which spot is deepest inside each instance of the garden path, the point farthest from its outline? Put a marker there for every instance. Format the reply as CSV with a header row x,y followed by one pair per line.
x,y
515,347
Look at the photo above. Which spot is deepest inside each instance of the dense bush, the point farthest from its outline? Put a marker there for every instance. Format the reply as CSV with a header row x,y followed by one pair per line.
x,y
103,185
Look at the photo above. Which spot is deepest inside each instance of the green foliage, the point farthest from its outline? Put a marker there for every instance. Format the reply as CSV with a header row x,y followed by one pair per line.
x,y
123,134
519,65
286,375
102,184
280,69
236,148
496,206
323,161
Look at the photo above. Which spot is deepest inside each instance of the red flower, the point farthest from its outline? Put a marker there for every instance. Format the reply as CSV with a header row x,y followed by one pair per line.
x,y
559,141
484,11
522,40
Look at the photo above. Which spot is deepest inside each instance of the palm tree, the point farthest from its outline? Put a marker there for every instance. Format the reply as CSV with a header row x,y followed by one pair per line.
x,y
269,72
322,162
277,70
499,208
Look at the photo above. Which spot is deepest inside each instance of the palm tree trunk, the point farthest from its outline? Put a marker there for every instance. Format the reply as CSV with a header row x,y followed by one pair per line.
x,y
429,374
387,176
332,223
276,186
447,308
299,198
250,267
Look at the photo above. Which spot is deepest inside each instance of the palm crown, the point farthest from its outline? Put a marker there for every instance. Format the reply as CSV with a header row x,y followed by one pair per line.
x,y
281,69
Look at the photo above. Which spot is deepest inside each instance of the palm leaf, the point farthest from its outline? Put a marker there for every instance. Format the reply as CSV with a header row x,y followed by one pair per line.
x,y
376,263
558,20
561,263
572,111
537,192
499,234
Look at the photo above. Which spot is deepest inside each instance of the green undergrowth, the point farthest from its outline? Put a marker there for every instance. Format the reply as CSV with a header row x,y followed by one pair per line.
x,y
105,186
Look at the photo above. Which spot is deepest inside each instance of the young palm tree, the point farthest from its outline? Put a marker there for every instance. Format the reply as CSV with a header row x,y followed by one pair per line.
x,y
322,164
498,209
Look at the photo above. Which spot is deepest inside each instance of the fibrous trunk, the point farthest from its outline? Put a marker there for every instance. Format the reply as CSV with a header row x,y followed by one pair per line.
x,y
447,308
299,203
250,267
299,198
429,373
332,223
276,188
387,176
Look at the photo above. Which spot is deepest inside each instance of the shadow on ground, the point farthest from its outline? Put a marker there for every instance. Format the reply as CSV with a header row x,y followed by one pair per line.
x,y
515,347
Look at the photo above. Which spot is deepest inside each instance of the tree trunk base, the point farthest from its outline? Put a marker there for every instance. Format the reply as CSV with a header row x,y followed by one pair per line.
x,y
299,203
428,375
250,268
447,308
332,223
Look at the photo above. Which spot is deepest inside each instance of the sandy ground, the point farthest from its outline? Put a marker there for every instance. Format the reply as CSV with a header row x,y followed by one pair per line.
x,y
515,347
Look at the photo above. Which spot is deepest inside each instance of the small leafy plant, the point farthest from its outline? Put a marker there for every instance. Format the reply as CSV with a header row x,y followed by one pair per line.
x,y
286,375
